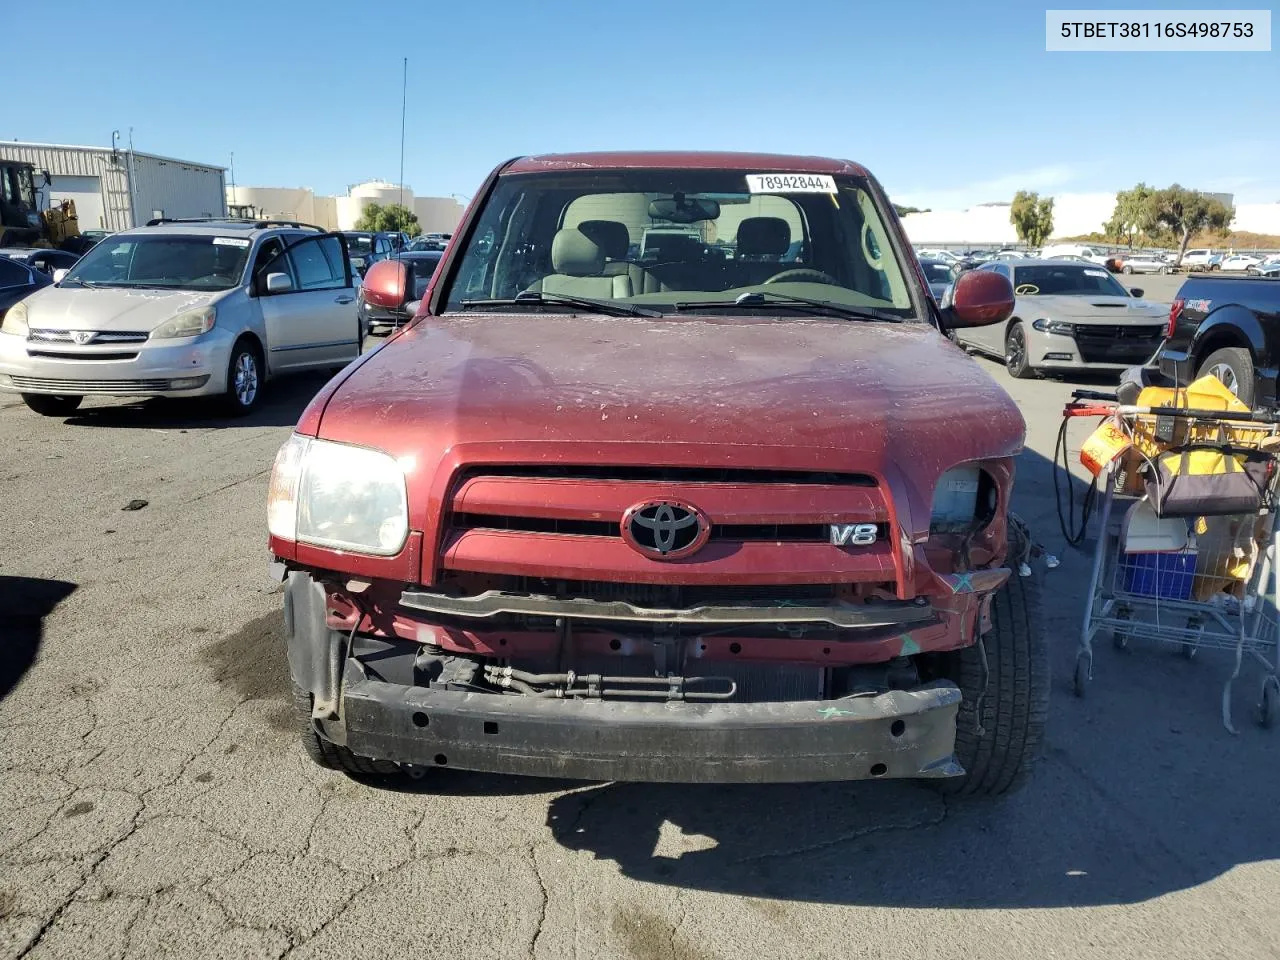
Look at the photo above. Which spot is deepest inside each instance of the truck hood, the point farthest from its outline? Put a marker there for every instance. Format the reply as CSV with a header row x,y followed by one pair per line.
x,y
108,308
820,394
1101,309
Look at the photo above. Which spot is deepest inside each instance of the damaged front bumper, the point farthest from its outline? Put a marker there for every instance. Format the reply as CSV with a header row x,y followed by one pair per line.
x,y
897,734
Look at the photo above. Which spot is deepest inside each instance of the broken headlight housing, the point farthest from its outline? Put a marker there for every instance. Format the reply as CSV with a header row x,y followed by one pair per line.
x,y
339,496
964,500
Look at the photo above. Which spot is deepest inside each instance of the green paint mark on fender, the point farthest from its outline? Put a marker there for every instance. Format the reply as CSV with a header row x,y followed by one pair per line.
x,y
828,713
909,646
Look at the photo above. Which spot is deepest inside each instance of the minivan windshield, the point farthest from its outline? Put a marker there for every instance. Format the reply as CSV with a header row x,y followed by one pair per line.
x,y
167,261
681,240
1065,278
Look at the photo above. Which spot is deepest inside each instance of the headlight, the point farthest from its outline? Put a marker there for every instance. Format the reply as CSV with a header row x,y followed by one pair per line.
x,y
1055,326
15,320
339,496
955,499
189,324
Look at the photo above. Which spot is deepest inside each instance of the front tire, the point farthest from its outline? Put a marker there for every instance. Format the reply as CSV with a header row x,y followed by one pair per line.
x,y
244,379
51,405
1233,366
1015,353
1015,704
1126,269
328,754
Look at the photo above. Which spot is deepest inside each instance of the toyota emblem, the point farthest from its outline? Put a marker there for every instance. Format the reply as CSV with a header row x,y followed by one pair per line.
x,y
83,336
665,529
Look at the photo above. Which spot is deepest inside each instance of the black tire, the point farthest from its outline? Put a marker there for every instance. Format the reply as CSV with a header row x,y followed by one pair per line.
x,y
329,754
1231,363
51,405
1016,703
238,400
1015,353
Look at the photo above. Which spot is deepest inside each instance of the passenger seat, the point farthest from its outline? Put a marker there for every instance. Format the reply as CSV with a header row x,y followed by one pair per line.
x,y
579,262
613,238
761,243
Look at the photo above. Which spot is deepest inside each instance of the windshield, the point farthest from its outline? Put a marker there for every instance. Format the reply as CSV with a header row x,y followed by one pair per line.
x,y
165,261
1059,279
937,272
670,239
358,245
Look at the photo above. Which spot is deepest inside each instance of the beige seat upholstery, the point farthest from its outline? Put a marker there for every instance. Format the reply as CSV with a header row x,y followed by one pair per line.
x,y
578,262
613,238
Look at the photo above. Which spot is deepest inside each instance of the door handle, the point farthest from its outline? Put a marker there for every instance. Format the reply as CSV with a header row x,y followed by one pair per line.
x,y
344,299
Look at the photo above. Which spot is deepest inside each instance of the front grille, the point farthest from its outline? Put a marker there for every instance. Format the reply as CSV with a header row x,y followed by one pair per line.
x,y
672,474
99,336
81,387
1107,343
673,596
88,357
731,532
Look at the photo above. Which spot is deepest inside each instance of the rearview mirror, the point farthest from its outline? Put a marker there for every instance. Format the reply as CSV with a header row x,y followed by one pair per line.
x,y
387,284
682,209
979,298
1135,291
279,283
59,274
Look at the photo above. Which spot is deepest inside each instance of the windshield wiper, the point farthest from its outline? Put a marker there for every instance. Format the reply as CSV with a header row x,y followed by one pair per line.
x,y
534,299
756,298
84,283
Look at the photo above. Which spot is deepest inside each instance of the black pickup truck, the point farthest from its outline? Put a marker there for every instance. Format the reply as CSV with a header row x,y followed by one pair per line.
x,y
1229,327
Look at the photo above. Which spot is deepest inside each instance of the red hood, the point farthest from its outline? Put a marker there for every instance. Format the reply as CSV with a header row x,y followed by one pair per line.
x,y
826,394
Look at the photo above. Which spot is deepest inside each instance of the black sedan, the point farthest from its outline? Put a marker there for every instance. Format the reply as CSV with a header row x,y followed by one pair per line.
x,y
940,275
42,259
17,280
381,321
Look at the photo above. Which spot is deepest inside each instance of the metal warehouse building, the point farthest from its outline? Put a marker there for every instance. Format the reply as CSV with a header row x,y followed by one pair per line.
x,y
115,189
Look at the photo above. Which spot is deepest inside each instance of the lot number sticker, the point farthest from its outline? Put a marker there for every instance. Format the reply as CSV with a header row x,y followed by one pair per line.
x,y
790,183
230,242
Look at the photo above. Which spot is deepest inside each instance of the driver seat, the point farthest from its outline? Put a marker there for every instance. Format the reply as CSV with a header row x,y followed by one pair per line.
x,y
761,243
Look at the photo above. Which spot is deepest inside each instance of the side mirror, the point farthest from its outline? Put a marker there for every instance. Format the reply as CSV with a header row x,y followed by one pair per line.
x,y
387,284
279,283
59,274
411,308
979,298
1135,291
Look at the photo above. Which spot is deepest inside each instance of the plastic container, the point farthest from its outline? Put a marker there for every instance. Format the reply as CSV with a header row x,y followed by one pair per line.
x,y
1164,576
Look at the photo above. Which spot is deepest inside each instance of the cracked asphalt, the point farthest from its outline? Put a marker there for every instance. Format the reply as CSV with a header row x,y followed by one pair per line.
x,y
153,802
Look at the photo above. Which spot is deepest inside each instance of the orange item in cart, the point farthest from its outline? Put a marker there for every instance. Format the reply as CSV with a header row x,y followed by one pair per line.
x,y
1103,446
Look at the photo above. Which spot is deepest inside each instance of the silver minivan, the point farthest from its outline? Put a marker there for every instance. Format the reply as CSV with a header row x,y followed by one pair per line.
x,y
184,308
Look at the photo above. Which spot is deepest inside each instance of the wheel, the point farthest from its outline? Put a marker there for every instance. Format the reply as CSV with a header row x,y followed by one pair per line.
x,y
1269,703
51,405
1015,702
1189,649
1163,271
1015,353
244,379
1120,638
1080,682
331,755
1126,269
1234,367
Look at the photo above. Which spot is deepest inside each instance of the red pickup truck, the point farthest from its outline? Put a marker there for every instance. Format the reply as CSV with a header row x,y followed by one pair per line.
x,y
728,508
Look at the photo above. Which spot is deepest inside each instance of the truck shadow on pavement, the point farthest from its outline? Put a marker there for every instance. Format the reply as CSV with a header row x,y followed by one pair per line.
x,y
25,602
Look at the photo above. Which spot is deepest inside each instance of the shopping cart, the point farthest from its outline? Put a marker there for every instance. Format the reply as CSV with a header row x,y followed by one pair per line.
x,y
1195,583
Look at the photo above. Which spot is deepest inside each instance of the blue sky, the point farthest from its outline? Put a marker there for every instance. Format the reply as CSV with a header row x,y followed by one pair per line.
x,y
946,108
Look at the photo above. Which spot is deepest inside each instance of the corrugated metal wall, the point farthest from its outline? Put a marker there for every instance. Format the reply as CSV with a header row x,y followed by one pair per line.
x,y
111,170
178,188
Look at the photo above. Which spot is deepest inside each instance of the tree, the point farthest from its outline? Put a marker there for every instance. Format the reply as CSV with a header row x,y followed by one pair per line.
x,y
1133,215
903,211
1031,217
391,217
1187,212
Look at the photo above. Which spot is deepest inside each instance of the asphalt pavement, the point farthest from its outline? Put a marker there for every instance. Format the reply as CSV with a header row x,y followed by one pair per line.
x,y
154,803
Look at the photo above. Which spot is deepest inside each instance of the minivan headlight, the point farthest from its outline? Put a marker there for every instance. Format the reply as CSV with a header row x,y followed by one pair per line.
x,y
189,324
339,496
15,320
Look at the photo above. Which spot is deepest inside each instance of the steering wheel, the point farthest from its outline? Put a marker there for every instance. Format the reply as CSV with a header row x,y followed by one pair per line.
x,y
801,274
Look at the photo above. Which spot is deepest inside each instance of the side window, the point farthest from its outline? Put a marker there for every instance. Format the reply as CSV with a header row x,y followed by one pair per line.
x,y
267,253
13,274
317,264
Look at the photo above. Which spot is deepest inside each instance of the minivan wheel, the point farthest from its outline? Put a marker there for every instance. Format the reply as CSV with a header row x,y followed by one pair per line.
x,y
1233,366
51,405
1001,722
244,379
1126,269
1015,353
